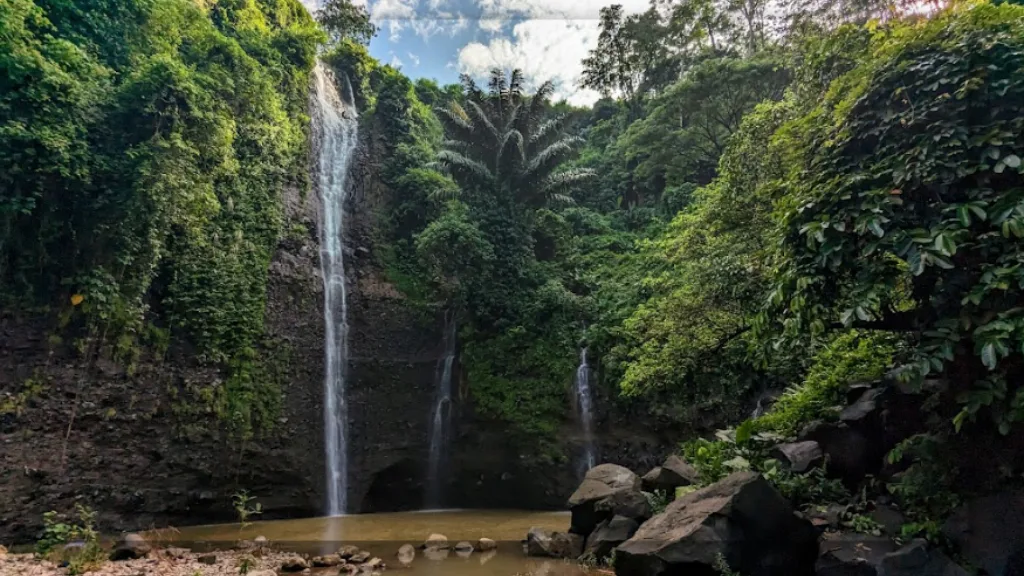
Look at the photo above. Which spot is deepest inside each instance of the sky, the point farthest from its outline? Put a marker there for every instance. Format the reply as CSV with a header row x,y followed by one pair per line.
x,y
546,39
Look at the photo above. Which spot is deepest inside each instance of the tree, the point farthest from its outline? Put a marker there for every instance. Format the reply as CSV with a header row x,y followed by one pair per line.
x,y
344,20
904,205
501,143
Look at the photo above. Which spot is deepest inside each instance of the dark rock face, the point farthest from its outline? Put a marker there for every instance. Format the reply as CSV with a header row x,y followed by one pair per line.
x,y
915,559
989,532
673,473
740,517
609,485
610,534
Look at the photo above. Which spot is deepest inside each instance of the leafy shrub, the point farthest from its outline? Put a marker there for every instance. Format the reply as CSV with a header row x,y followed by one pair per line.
x,y
86,555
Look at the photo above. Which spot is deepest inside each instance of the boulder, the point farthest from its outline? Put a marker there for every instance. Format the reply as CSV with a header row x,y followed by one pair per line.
x,y
989,532
130,547
544,543
600,483
799,456
260,541
208,559
406,554
294,563
435,553
347,551
673,473
463,547
608,535
373,564
890,520
742,518
852,555
852,452
864,407
915,559
359,557
436,542
177,553
327,561
633,505
485,544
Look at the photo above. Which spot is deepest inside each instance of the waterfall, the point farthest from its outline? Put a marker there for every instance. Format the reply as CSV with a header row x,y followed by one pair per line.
x,y
335,127
440,425
584,411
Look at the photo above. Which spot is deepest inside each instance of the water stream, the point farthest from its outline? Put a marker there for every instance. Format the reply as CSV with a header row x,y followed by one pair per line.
x,y
335,135
440,425
584,411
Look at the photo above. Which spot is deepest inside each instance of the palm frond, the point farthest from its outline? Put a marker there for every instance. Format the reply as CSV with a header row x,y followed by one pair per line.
x,y
512,138
540,99
566,180
461,166
548,128
469,86
515,87
563,199
481,117
549,158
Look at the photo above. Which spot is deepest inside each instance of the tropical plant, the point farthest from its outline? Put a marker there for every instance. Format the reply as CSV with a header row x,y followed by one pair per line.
x,y
502,142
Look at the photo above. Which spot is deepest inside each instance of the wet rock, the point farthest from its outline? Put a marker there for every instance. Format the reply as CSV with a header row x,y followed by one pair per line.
x,y
610,534
360,557
864,407
826,517
545,543
673,473
464,547
600,483
373,564
798,456
347,551
436,541
485,544
989,532
406,554
915,559
741,517
891,520
294,563
327,561
260,541
852,453
130,547
208,559
852,555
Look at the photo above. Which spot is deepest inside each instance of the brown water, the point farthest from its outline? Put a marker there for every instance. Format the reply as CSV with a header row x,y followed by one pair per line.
x,y
383,534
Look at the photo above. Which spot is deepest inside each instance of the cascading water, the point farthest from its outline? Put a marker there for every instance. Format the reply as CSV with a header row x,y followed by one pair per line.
x,y
584,411
440,424
335,135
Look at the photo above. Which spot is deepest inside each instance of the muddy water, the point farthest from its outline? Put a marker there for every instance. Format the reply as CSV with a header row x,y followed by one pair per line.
x,y
383,534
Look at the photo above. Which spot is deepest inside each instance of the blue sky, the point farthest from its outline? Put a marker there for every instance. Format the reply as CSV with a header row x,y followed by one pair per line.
x,y
439,39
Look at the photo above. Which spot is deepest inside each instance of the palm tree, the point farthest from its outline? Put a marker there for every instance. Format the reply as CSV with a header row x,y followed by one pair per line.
x,y
501,141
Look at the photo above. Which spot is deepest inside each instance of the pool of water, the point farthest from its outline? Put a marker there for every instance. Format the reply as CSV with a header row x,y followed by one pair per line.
x,y
383,534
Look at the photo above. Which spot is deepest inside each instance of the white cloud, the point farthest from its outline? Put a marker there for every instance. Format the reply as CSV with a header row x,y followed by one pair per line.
x,y
492,25
414,58
567,9
395,61
544,49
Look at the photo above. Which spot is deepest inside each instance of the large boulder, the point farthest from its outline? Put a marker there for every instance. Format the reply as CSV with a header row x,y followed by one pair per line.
x,y
989,532
852,452
799,456
741,518
915,559
545,543
608,535
605,482
633,505
673,473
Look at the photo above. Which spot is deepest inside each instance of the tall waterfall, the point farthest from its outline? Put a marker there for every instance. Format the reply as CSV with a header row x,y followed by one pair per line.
x,y
335,127
584,411
440,425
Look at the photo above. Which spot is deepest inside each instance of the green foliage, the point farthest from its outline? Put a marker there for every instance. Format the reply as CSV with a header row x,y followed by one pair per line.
x,y
86,555
246,507
850,358
344,20
905,207
659,500
924,488
145,146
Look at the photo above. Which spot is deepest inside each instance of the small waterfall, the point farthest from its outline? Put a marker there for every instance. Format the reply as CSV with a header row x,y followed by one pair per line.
x,y
335,135
440,425
584,411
